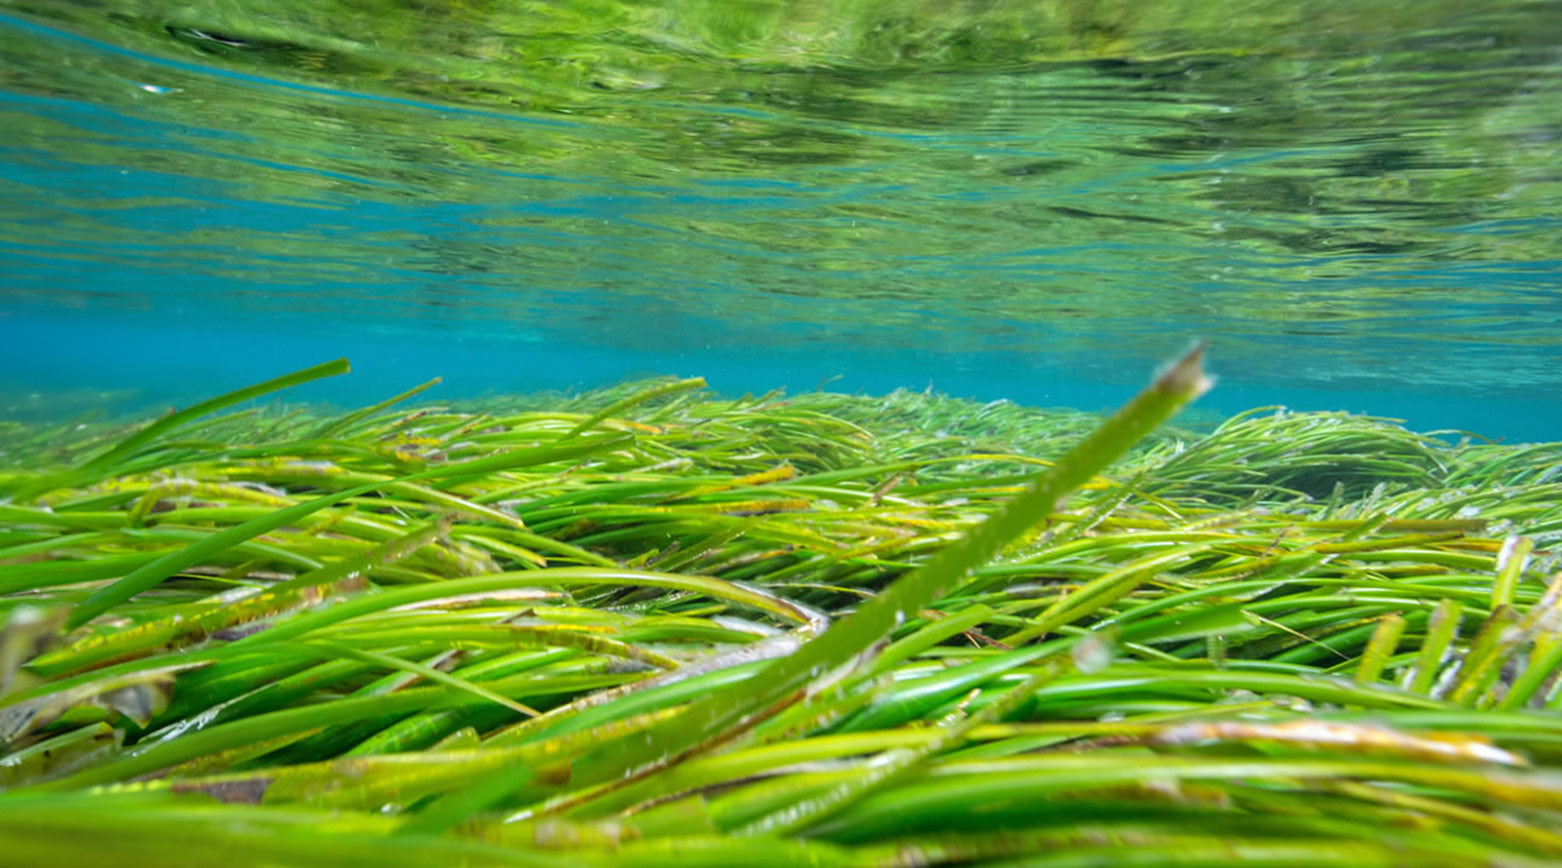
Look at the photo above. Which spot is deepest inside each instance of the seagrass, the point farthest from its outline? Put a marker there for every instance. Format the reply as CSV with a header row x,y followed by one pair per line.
x,y
650,624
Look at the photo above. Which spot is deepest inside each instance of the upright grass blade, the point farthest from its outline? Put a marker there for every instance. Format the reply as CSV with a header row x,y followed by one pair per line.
x,y
719,717
1385,639
712,720
189,414
346,421
1510,564
1442,627
103,464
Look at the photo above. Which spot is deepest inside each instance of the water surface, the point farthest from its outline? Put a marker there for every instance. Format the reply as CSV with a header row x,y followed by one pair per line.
x,y
1356,203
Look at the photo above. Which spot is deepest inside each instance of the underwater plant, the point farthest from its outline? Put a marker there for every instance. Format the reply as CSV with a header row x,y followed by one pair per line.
x,y
648,625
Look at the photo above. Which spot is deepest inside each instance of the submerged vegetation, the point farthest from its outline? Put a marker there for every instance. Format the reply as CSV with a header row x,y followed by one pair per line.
x,y
649,626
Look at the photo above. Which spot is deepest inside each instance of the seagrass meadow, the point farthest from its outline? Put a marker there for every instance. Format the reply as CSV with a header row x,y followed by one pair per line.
x,y
651,626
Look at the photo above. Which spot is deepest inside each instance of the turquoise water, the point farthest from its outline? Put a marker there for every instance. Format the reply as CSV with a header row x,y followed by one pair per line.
x,y
1359,207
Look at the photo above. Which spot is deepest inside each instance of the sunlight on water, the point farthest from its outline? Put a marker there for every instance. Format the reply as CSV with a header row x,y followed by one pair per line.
x,y
1358,209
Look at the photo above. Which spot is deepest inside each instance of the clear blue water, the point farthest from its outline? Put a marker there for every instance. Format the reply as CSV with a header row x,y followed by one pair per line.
x,y
1358,213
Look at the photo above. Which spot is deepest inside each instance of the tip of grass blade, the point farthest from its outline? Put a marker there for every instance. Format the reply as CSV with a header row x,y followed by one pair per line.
x,y
1185,376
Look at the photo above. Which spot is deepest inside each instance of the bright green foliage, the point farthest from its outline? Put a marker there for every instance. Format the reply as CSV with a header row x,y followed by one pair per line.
x,y
648,626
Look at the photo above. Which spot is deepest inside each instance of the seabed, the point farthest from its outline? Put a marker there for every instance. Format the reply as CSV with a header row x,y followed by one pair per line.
x,y
649,626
